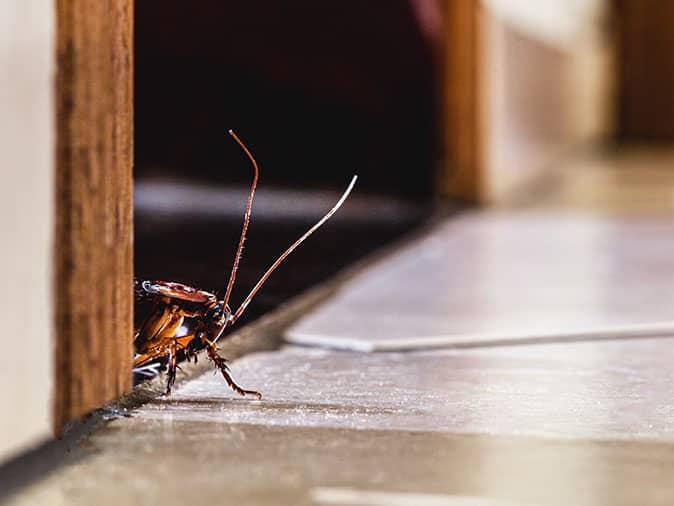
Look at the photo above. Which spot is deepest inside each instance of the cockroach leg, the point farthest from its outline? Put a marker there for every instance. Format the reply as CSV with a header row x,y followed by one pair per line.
x,y
221,364
191,356
172,366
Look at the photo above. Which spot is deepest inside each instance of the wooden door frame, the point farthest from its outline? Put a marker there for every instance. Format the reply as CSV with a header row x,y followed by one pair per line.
x,y
505,83
461,176
94,207
467,173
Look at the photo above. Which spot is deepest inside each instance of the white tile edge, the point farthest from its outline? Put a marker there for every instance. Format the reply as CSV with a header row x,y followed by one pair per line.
x,y
633,331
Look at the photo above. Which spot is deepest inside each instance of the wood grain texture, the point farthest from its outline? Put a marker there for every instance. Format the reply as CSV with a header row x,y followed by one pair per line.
x,y
462,176
93,237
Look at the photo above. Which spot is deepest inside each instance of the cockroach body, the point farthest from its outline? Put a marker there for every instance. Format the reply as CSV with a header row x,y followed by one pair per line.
x,y
175,307
178,321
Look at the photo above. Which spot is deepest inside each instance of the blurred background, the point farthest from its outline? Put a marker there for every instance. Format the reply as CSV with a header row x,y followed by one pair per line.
x,y
429,101
320,91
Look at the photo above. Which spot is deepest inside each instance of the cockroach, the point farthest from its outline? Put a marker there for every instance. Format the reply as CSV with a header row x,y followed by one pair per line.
x,y
175,306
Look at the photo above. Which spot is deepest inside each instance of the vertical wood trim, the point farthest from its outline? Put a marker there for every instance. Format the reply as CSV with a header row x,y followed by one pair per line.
x,y
93,236
645,69
462,174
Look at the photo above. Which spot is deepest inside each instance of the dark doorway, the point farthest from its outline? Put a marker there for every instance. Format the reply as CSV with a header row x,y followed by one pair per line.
x,y
320,91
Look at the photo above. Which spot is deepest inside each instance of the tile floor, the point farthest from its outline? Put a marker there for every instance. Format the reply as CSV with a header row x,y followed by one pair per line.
x,y
490,277
583,423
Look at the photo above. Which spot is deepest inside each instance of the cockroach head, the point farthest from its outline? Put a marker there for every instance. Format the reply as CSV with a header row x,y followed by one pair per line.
x,y
220,314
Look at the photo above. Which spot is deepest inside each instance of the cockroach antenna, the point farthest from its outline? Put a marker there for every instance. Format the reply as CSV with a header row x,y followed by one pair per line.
x,y
156,337
246,217
246,220
292,248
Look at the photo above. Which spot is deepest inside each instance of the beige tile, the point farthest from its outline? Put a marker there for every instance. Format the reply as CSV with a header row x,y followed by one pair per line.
x,y
168,462
613,390
635,180
499,276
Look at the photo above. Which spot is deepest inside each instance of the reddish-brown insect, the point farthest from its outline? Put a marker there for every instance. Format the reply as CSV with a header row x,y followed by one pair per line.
x,y
173,307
